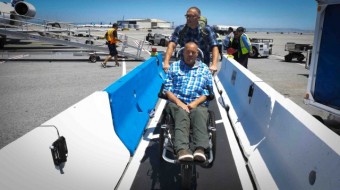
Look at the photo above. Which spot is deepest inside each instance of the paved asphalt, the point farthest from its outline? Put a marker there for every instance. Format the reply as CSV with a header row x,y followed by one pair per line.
x,y
32,92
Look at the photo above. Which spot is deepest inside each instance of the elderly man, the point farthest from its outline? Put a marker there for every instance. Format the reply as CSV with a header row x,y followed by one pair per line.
x,y
186,88
204,36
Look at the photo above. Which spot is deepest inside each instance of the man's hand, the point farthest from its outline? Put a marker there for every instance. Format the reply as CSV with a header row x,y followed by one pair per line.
x,y
213,68
166,66
168,53
192,105
213,65
184,106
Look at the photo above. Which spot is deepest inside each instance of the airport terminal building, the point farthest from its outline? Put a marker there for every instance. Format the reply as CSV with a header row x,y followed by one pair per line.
x,y
145,23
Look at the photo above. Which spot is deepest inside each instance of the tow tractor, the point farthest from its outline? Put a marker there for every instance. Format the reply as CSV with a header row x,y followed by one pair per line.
x,y
160,39
261,47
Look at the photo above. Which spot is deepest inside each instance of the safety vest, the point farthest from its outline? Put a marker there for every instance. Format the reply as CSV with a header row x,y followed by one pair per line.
x,y
110,37
243,47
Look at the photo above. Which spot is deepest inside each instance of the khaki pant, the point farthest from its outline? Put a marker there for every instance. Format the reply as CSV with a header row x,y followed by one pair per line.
x,y
197,118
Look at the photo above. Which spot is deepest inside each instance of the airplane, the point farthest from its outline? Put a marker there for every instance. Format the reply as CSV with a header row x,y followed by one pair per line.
x,y
11,15
17,13
16,10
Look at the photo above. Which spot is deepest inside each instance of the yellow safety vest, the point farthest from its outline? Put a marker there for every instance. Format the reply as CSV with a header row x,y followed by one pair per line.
x,y
243,47
110,37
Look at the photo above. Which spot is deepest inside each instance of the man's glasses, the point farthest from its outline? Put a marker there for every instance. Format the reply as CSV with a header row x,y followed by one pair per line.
x,y
190,16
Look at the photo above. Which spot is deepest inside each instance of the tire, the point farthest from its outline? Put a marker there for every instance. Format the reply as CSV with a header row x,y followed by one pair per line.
x,y
213,136
301,57
151,42
211,122
161,143
2,42
162,43
187,171
288,58
254,53
93,58
89,42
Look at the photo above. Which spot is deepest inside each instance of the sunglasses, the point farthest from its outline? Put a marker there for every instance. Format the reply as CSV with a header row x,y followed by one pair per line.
x,y
190,16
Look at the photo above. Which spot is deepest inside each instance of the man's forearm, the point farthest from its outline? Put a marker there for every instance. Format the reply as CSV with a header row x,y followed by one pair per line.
x,y
169,52
215,53
197,102
173,98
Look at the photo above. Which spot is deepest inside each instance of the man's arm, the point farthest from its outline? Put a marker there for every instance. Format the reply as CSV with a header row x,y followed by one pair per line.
x,y
245,42
197,102
169,51
177,101
213,66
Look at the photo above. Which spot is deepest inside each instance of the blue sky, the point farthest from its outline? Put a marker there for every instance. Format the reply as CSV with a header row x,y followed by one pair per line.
x,y
298,14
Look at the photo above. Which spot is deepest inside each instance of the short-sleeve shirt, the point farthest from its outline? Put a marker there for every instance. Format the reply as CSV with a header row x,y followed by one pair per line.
x,y
188,83
205,41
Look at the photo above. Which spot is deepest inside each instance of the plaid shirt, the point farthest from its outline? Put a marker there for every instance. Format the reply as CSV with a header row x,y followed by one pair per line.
x,y
188,83
194,35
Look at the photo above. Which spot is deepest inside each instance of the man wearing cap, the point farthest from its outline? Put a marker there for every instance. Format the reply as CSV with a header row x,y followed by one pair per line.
x,y
244,46
111,37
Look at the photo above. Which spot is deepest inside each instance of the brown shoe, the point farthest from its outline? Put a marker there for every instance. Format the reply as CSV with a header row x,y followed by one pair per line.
x,y
199,155
184,155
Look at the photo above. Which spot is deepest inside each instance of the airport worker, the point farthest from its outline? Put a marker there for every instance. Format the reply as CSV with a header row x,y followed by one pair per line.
x,y
230,35
244,46
232,50
186,87
205,37
111,37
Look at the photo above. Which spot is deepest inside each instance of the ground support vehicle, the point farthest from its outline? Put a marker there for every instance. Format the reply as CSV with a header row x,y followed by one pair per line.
x,y
296,51
223,29
323,89
261,47
160,39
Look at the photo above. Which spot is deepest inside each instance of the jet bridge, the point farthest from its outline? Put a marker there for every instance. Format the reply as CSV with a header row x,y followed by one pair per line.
x,y
73,36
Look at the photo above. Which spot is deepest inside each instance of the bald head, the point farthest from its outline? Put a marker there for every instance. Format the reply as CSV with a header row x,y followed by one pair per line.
x,y
190,53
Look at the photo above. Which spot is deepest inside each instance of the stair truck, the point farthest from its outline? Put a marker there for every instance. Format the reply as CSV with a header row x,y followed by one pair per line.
x,y
323,88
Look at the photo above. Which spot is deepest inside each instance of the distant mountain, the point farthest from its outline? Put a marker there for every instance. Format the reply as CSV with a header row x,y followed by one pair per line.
x,y
285,30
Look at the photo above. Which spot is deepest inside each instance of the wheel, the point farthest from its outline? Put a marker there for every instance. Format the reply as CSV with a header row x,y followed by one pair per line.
x,y
211,123
213,134
93,58
89,42
254,53
161,143
187,171
288,58
162,42
2,42
301,57
151,42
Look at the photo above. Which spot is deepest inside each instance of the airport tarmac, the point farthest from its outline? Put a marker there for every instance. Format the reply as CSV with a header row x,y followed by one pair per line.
x,y
32,91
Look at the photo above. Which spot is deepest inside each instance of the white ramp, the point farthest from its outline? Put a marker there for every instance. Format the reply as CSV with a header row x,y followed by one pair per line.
x,y
96,156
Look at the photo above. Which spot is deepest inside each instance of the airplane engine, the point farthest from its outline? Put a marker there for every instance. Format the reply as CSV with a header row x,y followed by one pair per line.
x,y
25,9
